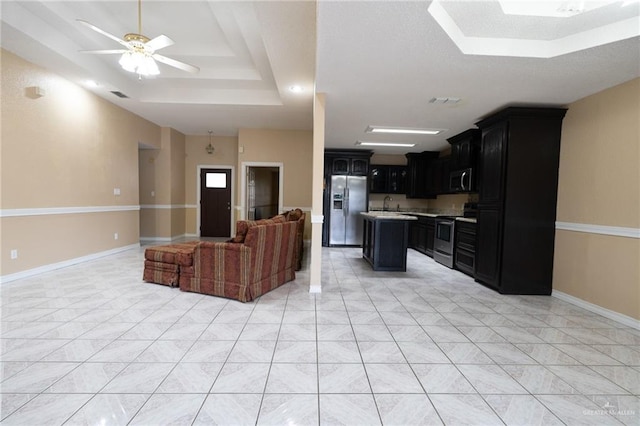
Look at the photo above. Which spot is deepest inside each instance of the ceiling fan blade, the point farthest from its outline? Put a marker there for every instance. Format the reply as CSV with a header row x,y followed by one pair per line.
x,y
159,42
104,52
176,64
103,32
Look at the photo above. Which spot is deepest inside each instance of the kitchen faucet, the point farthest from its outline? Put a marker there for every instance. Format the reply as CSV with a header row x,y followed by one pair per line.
x,y
385,203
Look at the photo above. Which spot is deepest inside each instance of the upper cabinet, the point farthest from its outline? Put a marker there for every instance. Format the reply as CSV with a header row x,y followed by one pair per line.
x,y
464,153
387,179
421,174
349,163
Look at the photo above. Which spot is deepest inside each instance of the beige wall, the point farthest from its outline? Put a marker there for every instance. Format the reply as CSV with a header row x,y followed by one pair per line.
x,y
599,184
162,188
66,149
292,148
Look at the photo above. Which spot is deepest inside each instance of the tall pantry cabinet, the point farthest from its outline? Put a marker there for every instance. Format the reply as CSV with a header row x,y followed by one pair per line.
x,y
518,176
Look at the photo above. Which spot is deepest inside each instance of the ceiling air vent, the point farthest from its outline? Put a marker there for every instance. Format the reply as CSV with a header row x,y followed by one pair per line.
x,y
119,94
443,100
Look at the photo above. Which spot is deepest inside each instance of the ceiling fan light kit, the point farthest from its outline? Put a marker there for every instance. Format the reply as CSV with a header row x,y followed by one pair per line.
x,y
139,56
139,63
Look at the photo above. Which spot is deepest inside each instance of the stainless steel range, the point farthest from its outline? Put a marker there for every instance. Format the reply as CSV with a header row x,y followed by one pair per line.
x,y
443,243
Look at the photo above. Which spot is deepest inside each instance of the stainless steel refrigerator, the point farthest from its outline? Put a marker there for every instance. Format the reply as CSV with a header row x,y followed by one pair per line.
x,y
348,199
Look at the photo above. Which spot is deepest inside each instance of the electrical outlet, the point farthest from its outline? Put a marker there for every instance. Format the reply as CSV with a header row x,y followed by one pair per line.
x,y
14,254
153,193
115,236
116,191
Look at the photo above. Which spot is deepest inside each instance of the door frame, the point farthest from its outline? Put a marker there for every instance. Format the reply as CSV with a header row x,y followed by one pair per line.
x,y
243,184
199,168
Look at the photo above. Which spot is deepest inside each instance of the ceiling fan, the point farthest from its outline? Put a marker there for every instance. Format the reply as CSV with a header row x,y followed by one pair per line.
x,y
140,55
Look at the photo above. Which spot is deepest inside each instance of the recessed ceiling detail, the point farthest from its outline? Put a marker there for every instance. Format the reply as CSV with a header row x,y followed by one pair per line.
x,y
558,28
249,54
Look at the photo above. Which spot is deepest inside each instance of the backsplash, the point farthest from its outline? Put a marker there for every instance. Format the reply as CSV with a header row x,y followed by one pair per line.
x,y
452,204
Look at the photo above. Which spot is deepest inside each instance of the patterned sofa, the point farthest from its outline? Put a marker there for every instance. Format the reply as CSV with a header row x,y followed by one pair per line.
x,y
260,258
162,264
299,217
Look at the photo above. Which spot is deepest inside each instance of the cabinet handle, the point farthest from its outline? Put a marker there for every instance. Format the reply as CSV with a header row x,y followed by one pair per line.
x,y
462,180
345,209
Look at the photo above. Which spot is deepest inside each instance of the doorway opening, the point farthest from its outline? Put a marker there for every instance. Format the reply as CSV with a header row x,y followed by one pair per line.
x,y
262,190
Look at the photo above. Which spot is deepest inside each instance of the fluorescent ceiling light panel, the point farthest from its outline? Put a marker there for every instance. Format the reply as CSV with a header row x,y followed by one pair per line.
x,y
409,145
403,130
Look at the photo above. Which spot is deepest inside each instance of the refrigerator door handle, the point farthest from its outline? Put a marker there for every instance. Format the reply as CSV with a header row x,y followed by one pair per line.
x,y
346,202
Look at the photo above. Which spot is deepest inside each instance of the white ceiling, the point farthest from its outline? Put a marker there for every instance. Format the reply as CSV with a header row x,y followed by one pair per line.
x,y
379,63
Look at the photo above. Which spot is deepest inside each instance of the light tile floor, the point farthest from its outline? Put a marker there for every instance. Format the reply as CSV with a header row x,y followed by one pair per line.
x,y
93,344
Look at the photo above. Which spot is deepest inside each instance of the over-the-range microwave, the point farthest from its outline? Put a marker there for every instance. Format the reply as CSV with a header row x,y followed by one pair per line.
x,y
461,180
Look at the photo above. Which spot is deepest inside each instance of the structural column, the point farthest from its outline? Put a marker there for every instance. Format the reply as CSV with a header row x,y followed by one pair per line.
x,y
315,280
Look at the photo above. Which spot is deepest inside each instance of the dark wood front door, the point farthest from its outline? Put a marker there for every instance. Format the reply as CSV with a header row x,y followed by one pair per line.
x,y
215,203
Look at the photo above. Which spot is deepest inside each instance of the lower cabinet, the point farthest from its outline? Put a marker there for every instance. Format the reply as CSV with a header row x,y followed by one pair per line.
x,y
465,252
421,235
489,246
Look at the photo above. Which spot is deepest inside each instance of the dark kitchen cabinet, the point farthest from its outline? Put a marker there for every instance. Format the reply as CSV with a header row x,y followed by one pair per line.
x,y
420,174
386,179
378,179
385,243
442,172
431,235
464,149
340,166
465,247
518,176
464,157
397,179
422,233
350,166
489,243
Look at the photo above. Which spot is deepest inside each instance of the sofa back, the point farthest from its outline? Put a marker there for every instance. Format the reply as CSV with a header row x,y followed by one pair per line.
x,y
273,250
242,226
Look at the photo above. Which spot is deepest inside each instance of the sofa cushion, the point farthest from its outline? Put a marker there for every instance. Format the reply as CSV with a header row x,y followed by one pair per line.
x,y
242,226
293,215
178,254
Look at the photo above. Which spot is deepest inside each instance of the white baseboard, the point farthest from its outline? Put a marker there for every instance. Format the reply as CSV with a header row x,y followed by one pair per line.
x,y
145,240
315,289
53,266
607,313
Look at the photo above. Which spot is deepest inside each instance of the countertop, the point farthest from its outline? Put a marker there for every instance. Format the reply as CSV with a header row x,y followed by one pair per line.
x,y
418,213
389,215
467,219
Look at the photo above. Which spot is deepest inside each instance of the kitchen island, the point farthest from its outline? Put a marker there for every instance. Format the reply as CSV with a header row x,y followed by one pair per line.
x,y
385,240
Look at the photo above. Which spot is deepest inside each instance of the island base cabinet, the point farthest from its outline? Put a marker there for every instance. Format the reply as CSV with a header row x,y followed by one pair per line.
x,y
385,244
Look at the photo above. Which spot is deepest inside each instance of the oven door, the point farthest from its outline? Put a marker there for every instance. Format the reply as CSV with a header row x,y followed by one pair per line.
x,y
443,242
444,235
